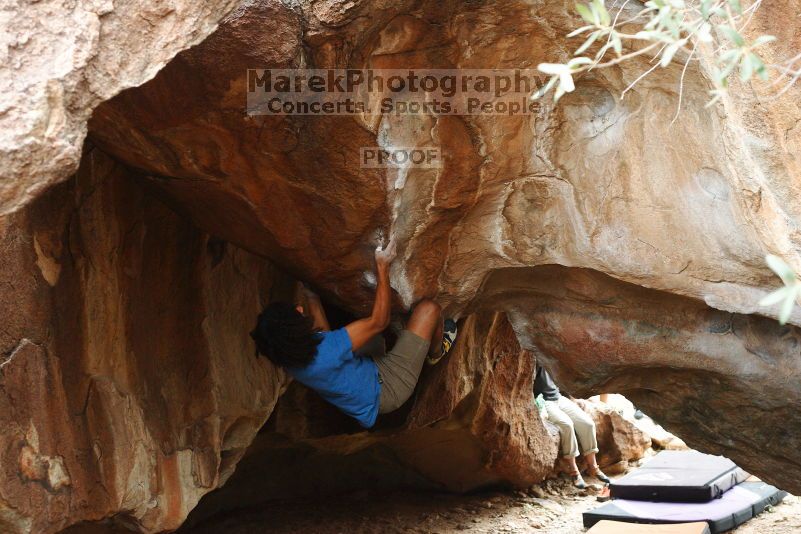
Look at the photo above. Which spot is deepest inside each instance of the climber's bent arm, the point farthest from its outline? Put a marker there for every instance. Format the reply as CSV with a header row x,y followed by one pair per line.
x,y
362,330
317,313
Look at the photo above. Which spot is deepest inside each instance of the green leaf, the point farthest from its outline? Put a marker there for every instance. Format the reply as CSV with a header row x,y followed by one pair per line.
x,y
756,65
596,16
763,39
617,44
788,305
545,88
606,20
579,31
776,296
705,5
577,62
588,43
552,68
730,55
760,68
736,6
747,67
705,33
585,13
668,53
732,34
728,68
782,270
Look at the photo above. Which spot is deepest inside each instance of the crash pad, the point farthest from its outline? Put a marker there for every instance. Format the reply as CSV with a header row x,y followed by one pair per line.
x,y
679,476
733,508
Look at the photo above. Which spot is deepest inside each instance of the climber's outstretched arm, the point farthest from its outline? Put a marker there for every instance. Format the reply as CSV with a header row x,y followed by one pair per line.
x,y
362,330
316,311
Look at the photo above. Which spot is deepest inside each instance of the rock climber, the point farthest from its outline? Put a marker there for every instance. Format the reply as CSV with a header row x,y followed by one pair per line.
x,y
350,367
573,423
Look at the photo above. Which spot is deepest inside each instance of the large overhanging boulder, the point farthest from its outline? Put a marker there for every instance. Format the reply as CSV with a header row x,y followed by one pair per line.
x,y
61,59
625,247
683,206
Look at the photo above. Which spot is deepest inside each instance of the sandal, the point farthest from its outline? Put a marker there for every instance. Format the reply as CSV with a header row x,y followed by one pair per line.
x,y
597,473
448,338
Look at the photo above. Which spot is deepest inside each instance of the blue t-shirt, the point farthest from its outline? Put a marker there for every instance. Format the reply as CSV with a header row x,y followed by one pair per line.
x,y
347,381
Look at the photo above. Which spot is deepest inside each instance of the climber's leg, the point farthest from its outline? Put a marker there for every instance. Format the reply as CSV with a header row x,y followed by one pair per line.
x,y
375,348
447,333
400,368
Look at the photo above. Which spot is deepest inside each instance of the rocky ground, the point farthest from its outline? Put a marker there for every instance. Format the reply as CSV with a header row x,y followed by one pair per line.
x,y
554,508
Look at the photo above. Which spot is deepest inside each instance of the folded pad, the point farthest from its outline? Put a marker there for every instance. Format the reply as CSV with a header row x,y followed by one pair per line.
x,y
735,507
679,476
616,527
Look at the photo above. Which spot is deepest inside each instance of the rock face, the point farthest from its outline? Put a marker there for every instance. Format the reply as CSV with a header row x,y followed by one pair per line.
x,y
619,439
677,214
622,248
128,387
725,383
473,424
59,60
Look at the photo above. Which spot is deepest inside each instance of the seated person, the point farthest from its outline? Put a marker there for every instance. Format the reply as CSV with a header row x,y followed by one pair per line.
x,y
572,422
348,366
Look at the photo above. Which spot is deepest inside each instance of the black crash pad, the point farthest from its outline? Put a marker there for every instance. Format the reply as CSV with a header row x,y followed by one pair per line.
x,y
679,476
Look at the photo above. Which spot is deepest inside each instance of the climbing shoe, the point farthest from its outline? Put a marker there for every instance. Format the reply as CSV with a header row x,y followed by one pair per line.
x,y
448,338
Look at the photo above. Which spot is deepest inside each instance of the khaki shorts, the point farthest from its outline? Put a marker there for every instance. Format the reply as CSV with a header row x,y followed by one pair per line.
x,y
399,368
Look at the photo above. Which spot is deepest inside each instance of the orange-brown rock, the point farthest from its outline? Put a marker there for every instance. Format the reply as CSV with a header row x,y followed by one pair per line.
x,y
128,386
677,213
60,60
619,439
473,424
624,247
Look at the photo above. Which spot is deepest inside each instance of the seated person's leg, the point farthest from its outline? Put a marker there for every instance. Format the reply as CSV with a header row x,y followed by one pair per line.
x,y
401,367
587,438
568,447
583,425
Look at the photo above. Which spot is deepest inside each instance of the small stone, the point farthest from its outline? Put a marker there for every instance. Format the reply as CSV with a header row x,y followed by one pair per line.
x,y
537,491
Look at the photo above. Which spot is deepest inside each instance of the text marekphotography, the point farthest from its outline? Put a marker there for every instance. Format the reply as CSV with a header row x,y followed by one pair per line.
x,y
393,91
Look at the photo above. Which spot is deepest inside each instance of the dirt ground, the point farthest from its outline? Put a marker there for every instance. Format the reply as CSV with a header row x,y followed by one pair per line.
x,y
554,508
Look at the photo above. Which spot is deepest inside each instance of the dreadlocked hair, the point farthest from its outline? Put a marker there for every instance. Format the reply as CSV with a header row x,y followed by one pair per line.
x,y
285,336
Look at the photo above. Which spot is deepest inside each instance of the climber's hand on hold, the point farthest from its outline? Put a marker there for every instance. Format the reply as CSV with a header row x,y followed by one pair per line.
x,y
362,330
385,255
